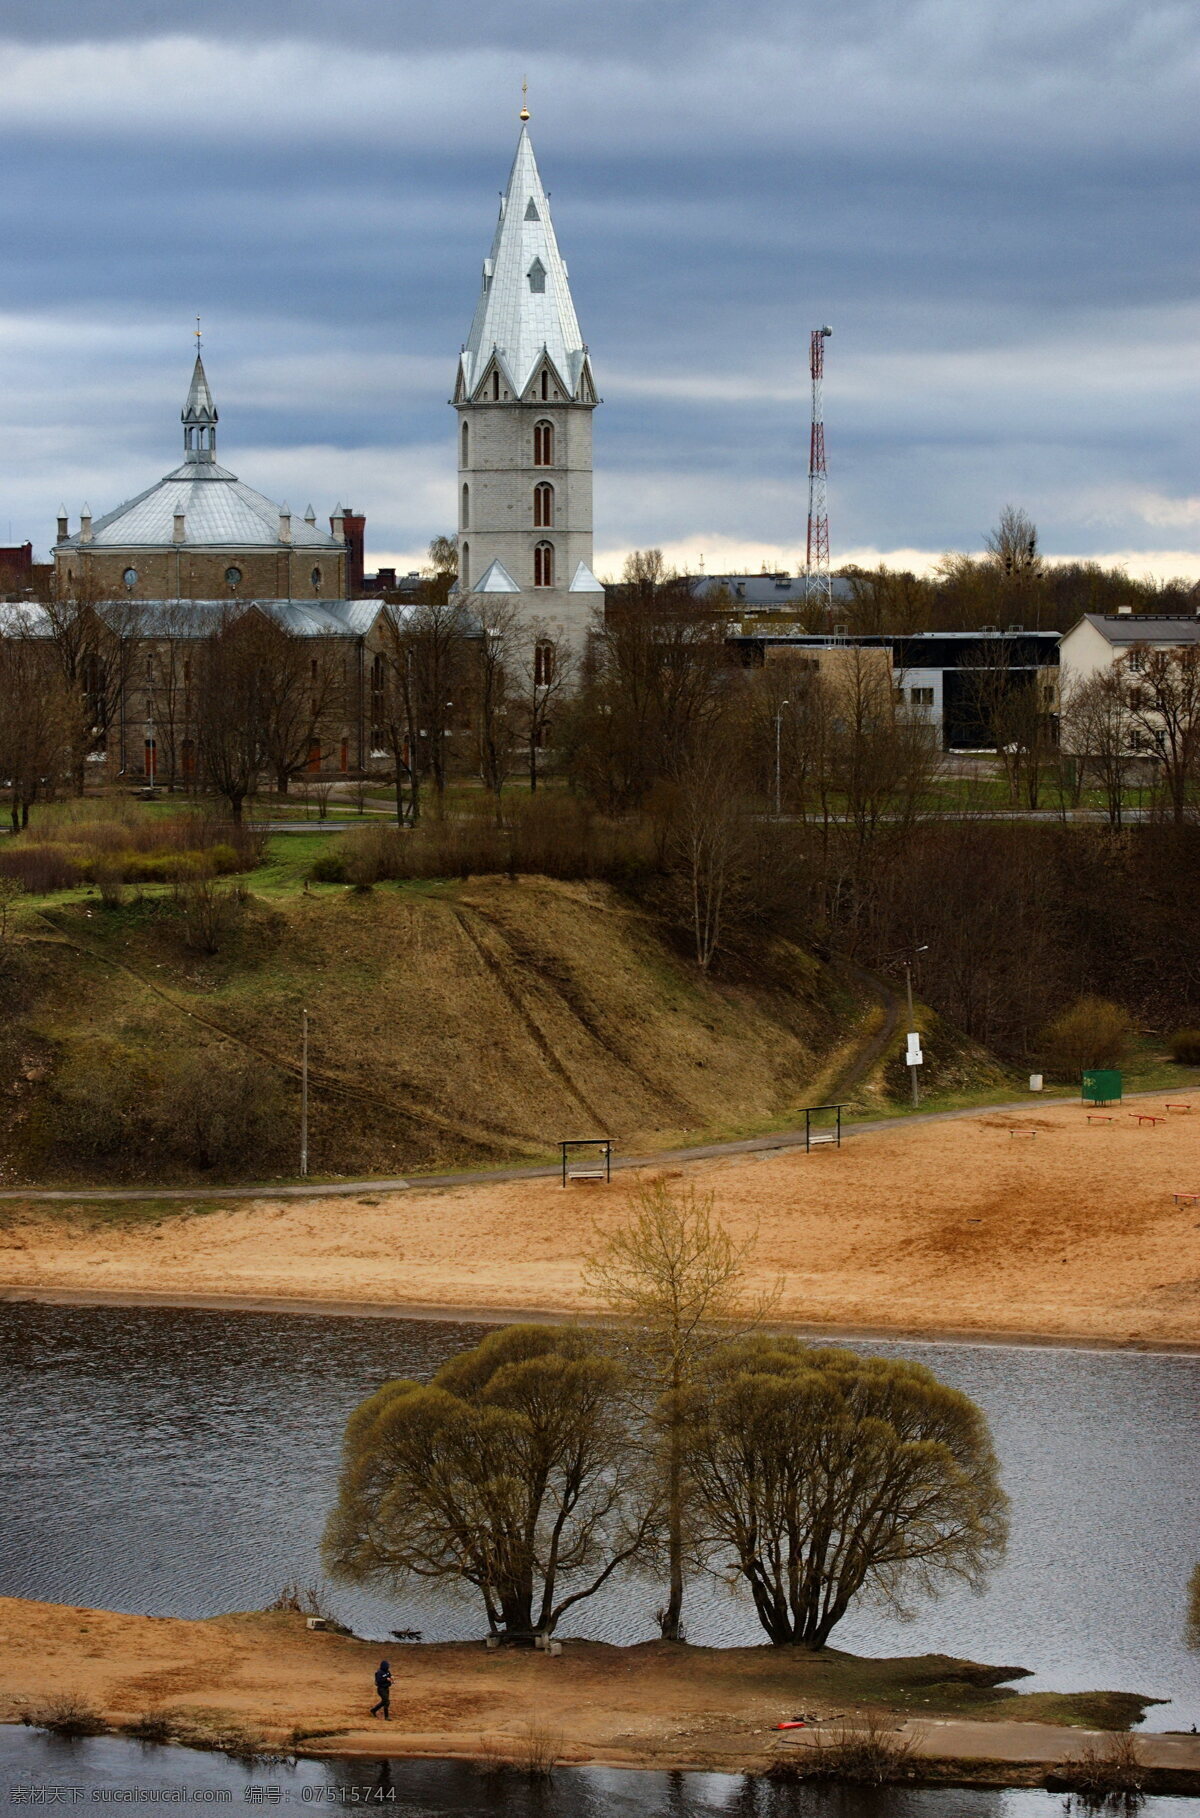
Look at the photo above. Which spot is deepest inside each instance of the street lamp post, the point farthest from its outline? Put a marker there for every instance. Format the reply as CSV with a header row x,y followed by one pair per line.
x,y
778,762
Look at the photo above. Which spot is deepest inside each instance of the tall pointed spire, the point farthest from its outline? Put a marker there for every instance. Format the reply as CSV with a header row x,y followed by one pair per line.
x,y
199,418
525,308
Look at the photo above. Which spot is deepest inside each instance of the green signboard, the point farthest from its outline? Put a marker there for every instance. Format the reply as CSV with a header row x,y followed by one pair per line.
x,y
1102,1086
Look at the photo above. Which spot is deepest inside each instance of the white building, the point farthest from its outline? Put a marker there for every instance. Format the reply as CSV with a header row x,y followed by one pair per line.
x,y
524,396
1094,644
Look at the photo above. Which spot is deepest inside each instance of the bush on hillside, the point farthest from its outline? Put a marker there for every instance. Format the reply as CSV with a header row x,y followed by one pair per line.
x,y
1091,1032
540,836
113,1104
1185,1047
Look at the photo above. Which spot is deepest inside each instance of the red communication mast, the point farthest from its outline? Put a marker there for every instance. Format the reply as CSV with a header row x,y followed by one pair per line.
x,y
818,583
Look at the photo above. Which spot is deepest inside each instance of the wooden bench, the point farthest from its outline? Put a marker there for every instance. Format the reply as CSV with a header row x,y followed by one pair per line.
x,y
822,1136
1101,1117
1179,1107
1186,1199
1022,1133
586,1174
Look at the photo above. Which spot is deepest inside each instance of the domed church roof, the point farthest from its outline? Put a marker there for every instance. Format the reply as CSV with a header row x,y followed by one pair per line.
x,y
201,504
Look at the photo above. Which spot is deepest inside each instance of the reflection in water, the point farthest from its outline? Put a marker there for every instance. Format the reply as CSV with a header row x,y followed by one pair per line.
x,y
183,1463
1192,1625
455,1789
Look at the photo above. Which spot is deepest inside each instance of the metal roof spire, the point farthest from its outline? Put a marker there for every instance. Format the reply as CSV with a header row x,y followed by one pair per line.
x,y
524,98
525,309
199,414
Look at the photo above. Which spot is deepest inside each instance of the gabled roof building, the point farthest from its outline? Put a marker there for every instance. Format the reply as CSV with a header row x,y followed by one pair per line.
x,y
524,393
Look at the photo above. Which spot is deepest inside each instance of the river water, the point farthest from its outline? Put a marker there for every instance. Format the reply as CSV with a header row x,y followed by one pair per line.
x,y
108,1770
182,1463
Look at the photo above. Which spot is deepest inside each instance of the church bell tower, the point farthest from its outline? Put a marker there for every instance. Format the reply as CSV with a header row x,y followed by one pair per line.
x,y
524,396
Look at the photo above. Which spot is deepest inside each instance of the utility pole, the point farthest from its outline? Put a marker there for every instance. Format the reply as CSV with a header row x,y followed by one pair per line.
x,y
908,966
818,582
304,1093
778,764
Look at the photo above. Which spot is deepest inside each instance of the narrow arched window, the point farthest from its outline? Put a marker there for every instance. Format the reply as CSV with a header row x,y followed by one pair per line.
x,y
466,445
465,521
545,383
543,505
543,664
543,565
464,565
543,444
495,385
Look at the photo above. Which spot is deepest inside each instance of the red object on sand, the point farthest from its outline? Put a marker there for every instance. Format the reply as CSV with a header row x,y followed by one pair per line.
x,y
798,1725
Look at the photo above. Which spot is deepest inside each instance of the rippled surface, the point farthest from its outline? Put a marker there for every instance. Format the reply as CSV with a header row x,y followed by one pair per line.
x,y
182,1463
447,1789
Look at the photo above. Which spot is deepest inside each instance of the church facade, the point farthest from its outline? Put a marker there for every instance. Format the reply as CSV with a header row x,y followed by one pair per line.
x,y
524,395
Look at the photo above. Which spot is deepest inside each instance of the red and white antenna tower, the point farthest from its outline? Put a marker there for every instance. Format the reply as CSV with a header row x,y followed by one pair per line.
x,y
818,583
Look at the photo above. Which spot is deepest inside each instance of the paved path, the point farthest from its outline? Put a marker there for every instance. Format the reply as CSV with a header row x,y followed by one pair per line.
x,y
319,1189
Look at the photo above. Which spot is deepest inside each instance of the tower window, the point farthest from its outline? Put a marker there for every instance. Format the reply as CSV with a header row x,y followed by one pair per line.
x,y
543,444
464,565
545,383
543,505
531,213
130,577
543,565
537,277
543,664
233,577
466,444
465,520
315,578
495,387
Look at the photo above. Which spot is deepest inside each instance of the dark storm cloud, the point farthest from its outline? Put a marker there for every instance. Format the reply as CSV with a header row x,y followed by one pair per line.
x,y
988,201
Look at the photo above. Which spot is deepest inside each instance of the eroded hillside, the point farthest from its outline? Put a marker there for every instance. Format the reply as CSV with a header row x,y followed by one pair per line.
x,y
450,1024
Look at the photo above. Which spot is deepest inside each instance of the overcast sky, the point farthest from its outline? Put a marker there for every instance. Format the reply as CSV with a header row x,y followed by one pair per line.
x,y
993,202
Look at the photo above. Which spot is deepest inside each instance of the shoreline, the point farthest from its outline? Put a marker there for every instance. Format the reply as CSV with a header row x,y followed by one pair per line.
x,y
449,1313
262,1683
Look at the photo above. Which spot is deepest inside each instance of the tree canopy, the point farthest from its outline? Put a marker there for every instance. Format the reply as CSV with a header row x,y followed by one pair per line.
x,y
822,1476
510,1471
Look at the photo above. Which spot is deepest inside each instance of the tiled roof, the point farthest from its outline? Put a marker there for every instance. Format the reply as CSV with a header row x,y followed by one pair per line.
x,y
1142,628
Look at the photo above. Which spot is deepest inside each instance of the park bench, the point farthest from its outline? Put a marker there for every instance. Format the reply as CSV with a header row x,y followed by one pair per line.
x,y
594,1164
1100,1117
1186,1199
1147,1117
1179,1107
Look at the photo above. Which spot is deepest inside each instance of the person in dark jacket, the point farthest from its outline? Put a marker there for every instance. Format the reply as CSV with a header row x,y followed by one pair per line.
x,y
383,1685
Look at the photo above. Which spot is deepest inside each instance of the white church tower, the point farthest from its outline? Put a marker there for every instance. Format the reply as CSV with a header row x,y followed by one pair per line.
x,y
524,398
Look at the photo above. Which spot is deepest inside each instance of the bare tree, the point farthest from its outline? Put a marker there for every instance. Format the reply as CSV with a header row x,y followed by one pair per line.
x,y
1161,689
710,843
1095,730
543,673
37,718
96,641
676,1276
492,704
1013,547
229,708
301,691
424,652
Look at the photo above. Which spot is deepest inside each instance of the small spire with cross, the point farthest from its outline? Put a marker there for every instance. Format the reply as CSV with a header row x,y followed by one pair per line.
x,y
197,334
524,98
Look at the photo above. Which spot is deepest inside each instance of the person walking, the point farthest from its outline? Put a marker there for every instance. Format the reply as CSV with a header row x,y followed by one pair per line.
x,y
383,1685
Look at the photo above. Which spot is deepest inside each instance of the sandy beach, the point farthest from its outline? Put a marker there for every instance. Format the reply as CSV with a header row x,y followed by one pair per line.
x,y
265,1678
996,1224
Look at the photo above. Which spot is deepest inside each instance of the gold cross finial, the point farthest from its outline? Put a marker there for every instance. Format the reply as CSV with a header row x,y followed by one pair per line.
x,y
524,98
197,334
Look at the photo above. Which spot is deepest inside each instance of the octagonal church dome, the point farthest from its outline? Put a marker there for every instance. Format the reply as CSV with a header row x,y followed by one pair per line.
x,y
200,505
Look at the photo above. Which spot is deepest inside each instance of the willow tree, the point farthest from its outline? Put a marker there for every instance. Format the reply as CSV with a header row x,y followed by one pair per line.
x,y
509,1472
822,1476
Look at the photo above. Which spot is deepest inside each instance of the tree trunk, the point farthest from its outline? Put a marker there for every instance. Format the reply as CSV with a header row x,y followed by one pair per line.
x,y
671,1617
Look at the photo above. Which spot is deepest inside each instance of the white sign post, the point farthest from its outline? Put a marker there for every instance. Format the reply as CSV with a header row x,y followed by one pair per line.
x,y
913,1060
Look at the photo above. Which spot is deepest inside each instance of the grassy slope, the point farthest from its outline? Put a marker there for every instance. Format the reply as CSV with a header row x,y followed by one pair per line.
x,y
451,1023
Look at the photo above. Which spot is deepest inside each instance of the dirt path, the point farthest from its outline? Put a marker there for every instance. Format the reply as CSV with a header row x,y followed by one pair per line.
x,y
988,1224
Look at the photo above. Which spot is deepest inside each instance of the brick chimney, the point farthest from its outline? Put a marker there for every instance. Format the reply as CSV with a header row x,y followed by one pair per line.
x,y
351,525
